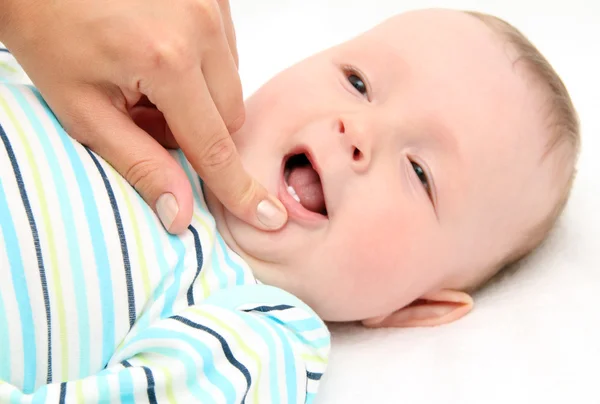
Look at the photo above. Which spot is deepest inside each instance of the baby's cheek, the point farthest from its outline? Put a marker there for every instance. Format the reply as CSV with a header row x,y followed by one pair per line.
x,y
378,244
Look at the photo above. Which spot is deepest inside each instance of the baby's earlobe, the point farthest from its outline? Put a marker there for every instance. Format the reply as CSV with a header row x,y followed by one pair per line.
x,y
433,309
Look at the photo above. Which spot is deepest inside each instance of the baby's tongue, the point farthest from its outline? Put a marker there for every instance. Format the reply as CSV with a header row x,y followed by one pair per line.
x,y
307,184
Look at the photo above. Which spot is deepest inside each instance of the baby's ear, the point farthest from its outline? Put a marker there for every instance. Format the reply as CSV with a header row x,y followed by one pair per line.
x,y
441,307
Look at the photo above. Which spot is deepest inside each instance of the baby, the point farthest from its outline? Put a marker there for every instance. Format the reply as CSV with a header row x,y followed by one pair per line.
x,y
415,161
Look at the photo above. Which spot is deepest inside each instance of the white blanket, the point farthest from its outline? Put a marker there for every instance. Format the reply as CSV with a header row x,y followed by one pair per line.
x,y
534,335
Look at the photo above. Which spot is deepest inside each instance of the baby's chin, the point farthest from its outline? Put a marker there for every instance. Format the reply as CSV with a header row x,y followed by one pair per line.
x,y
216,208
234,231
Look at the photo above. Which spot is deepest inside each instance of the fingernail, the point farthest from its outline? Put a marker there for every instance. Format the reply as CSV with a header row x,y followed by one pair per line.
x,y
270,215
374,322
167,209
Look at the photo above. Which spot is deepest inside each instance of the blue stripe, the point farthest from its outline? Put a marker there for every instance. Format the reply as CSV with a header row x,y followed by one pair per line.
x,y
4,338
28,328
300,326
122,239
96,234
314,376
266,309
173,290
226,350
4,50
218,269
102,386
317,343
310,398
11,247
307,324
208,370
15,397
198,247
63,393
240,276
126,392
262,328
151,392
40,395
62,192
290,365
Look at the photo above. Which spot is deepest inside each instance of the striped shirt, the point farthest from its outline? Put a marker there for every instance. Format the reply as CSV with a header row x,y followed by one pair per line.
x,y
98,303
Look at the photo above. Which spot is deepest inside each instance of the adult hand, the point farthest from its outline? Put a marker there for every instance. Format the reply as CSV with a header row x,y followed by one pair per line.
x,y
127,77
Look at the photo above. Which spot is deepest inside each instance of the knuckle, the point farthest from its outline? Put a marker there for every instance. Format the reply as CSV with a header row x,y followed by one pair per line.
x,y
141,175
209,12
169,53
219,154
242,199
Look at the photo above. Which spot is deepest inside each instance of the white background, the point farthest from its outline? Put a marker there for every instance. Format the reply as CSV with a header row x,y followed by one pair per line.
x,y
534,336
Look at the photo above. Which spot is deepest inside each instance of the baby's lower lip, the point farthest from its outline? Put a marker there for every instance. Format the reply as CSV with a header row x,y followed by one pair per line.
x,y
295,209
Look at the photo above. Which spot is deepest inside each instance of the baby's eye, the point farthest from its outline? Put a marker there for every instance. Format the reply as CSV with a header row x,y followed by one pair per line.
x,y
357,82
422,177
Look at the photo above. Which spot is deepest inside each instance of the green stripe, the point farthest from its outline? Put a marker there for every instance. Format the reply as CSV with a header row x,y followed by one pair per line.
x,y
43,204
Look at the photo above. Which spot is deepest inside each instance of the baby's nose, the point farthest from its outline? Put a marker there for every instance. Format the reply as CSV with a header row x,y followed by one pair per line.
x,y
357,142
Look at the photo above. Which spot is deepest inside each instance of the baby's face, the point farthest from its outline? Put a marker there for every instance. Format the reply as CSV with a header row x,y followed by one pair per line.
x,y
427,148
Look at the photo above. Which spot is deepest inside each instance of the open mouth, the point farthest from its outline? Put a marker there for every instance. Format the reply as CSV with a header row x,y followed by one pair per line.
x,y
304,183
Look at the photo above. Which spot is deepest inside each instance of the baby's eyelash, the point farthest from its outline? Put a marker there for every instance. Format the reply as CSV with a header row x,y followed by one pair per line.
x,y
424,178
357,80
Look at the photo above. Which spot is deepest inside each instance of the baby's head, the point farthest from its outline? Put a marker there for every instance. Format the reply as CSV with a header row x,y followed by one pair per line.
x,y
445,148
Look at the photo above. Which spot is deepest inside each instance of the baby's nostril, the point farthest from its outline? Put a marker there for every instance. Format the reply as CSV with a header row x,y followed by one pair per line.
x,y
357,154
342,128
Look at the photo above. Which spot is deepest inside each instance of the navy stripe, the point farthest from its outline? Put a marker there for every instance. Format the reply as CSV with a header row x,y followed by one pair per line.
x,y
201,186
124,250
63,393
224,346
199,259
126,364
4,50
151,392
266,309
36,242
314,376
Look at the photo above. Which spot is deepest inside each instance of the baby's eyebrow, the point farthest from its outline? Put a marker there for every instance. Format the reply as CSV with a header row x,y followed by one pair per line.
x,y
442,134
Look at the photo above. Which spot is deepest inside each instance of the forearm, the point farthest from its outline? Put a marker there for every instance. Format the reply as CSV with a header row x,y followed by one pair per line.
x,y
16,19
7,7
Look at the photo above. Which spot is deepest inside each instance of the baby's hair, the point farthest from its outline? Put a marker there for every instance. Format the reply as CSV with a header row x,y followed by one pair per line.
x,y
563,131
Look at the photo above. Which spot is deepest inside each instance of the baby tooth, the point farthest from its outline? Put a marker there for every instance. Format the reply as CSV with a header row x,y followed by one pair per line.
x,y
292,192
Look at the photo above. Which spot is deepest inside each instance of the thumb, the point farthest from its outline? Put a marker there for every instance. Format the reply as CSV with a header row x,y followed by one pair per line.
x,y
140,159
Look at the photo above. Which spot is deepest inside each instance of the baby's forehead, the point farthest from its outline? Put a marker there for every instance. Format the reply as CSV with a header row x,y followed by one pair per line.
x,y
428,24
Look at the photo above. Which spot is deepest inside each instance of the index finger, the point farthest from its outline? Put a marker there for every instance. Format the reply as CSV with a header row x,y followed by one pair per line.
x,y
203,136
229,28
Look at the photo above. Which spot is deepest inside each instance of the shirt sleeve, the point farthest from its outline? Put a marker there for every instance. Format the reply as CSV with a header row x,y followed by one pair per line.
x,y
248,344
10,70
